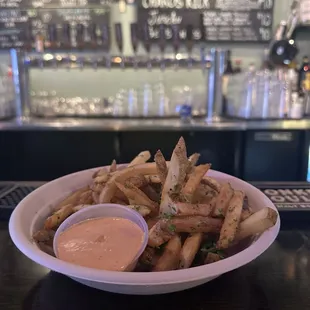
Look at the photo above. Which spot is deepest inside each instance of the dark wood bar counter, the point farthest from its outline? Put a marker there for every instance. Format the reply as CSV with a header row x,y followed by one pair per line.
x,y
277,280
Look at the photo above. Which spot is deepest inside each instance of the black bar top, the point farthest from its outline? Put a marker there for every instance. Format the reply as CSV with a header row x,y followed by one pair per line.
x,y
277,280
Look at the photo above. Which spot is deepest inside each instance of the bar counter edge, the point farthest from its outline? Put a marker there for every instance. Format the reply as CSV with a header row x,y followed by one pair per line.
x,y
32,123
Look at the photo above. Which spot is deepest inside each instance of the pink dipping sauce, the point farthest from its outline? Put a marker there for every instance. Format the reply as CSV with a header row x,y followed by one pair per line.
x,y
108,243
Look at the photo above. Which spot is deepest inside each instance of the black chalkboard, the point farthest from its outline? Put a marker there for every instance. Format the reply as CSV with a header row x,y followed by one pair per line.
x,y
13,27
25,4
223,20
17,26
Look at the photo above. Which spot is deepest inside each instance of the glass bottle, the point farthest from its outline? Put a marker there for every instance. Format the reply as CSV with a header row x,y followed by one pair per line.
x,y
305,67
306,90
39,42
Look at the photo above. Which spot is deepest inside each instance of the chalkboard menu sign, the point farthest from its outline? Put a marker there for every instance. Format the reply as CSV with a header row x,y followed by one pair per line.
x,y
18,27
212,20
13,26
24,4
288,197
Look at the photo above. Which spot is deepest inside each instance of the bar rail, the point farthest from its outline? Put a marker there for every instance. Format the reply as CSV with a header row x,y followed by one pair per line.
x,y
79,124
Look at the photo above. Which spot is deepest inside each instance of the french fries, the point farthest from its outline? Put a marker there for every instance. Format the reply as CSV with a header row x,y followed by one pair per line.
x,y
246,214
193,160
223,200
142,210
184,208
192,218
161,165
176,176
136,196
257,223
72,198
212,258
113,166
189,250
58,217
141,158
171,256
212,183
80,207
193,181
192,224
153,179
231,222
149,257
121,176
158,236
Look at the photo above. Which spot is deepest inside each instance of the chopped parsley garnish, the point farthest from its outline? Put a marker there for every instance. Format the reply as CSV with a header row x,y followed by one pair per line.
x,y
172,228
167,216
210,247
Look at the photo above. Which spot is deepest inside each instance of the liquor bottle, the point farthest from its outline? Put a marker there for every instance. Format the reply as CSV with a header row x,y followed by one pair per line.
x,y
92,31
39,42
238,66
266,64
66,36
292,74
305,67
306,90
297,106
80,35
51,41
228,68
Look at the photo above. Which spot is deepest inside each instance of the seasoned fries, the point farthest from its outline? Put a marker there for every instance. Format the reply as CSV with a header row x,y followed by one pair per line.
x,y
189,250
257,223
193,181
192,218
231,222
161,165
58,217
176,176
223,200
142,158
171,256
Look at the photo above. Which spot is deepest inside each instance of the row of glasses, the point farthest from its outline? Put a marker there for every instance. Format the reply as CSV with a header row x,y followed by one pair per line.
x,y
48,103
257,94
147,100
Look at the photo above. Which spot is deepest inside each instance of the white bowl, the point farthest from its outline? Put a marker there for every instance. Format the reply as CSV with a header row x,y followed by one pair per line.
x,y
31,212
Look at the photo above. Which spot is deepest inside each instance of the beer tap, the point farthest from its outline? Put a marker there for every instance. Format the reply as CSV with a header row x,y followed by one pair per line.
x,y
202,40
189,43
66,36
119,41
147,44
52,41
80,35
162,45
106,43
175,43
65,42
93,37
134,42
